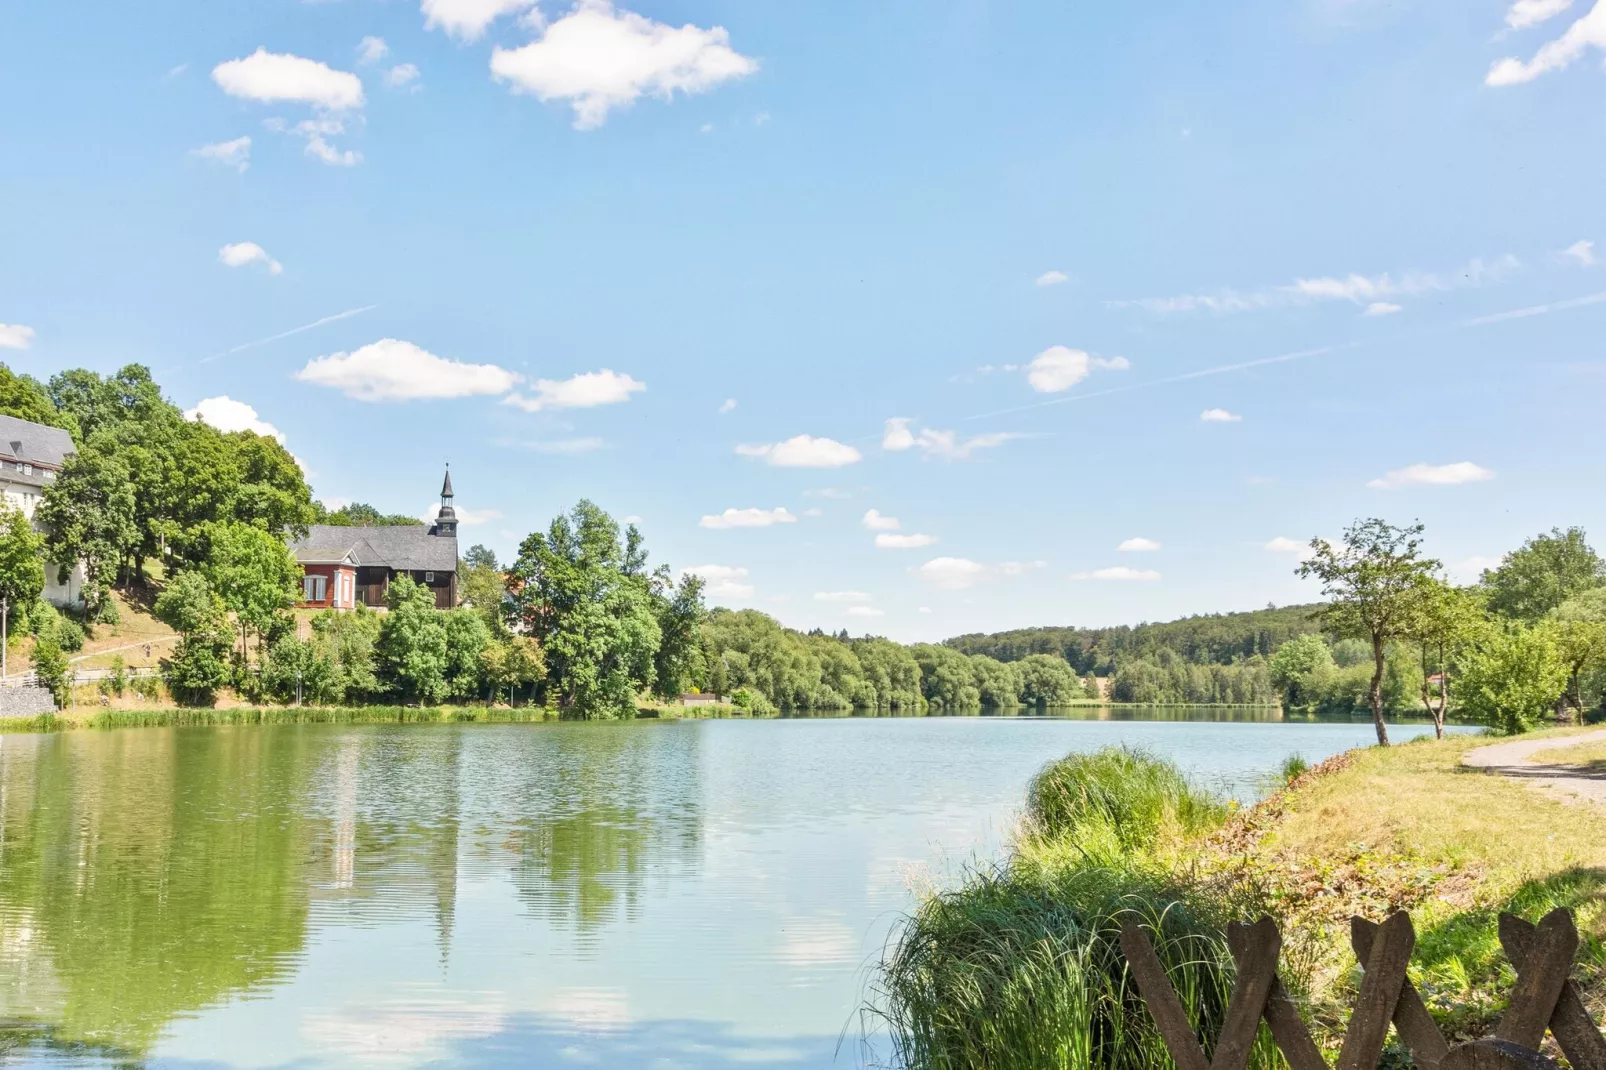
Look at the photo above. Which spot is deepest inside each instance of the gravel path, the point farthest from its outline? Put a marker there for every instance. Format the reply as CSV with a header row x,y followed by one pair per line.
x,y
1516,759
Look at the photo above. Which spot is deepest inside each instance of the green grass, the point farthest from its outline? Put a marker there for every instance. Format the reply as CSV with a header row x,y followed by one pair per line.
x,y
1021,966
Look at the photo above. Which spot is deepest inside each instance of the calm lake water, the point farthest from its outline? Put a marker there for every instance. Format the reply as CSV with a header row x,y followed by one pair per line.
x,y
698,894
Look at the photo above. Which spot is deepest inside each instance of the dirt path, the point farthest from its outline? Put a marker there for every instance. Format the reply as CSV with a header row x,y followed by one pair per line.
x,y
1516,759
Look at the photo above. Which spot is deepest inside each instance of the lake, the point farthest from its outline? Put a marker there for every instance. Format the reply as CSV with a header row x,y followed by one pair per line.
x,y
679,894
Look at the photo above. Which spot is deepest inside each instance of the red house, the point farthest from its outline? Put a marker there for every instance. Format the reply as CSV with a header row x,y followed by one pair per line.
x,y
342,566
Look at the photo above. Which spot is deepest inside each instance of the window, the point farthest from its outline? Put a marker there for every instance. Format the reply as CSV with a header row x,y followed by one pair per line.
x,y
313,587
429,577
27,469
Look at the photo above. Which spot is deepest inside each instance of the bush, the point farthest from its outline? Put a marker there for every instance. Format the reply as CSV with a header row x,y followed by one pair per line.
x,y
69,634
115,681
1513,678
148,688
755,704
51,669
196,671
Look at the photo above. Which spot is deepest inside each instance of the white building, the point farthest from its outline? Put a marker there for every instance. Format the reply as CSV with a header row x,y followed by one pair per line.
x,y
31,456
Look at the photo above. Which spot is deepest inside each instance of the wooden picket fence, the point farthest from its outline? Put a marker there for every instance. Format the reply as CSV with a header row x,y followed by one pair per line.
x,y
1544,998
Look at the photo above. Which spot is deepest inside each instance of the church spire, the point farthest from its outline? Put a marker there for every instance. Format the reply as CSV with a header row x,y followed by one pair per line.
x,y
446,519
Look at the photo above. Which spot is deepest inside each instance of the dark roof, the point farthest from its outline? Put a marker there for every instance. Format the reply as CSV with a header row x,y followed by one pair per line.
x,y
24,441
446,487
407,548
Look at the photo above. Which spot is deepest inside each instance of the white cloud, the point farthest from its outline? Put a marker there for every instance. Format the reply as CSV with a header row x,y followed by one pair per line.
x,y
925,609
1438,475
747,518
912,541
271,78
393,370
958,573
1526,13
468,20
235,154
841,596
1284,545
728,406
560,446
1119,573
1052,278
722,581
372,50
803,451
1581,251
15,336
1382,308
466,517
898,436
876,522
1355,288
832,493
316,133
584,391
814,511
1588,32
866,611
1220,416
599,58
1138,545
403,74
226,414
1058,368
241,253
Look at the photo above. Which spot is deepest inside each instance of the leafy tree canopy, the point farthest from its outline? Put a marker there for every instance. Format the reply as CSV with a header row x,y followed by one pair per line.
x,y
1543,573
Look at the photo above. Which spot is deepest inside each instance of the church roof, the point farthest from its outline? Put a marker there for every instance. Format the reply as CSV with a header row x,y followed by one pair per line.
x,y
446,487
406,548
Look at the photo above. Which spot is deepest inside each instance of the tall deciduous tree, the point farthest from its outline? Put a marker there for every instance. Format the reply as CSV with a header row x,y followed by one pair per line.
x,y
1375,582
198,666
253,572
411,653
22,567
1543,573
1513,677
1581,641
678,662
586,597
1445,620
89,512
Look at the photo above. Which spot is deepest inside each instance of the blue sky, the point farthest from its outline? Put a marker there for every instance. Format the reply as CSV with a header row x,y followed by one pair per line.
x,y
751,271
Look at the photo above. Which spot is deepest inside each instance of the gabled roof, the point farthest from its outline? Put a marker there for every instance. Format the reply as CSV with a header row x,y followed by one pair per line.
x,y
406,548
21,440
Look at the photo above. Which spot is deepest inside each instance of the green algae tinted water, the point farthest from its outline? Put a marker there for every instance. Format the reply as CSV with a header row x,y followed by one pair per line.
x,y
696,894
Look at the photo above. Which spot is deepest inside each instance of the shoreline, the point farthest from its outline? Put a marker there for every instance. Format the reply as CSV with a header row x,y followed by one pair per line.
x,y
78,718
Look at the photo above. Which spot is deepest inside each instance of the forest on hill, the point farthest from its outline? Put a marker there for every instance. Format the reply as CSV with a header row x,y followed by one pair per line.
x,y
1207,639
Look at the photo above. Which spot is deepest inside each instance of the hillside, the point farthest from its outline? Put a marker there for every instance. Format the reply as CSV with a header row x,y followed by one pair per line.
x,y
1210,639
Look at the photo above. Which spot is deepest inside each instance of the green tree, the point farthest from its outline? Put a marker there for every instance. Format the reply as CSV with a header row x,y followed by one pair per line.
x,y
1299,667
359,515
1445,620
301,667
347,640
586,597
26,398
1545,572
90,516
22,567
1581,640
410,655
946,677
480,556
1375,581
510,664
678,662
1513,677
198,667
1048,681
481,587
467,636
254,572
51,670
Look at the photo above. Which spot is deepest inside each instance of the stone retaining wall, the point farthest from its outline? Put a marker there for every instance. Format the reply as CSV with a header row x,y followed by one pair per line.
x,y
25,701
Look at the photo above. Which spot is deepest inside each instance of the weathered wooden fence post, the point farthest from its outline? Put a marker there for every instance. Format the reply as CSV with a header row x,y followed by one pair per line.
x,y
1544,998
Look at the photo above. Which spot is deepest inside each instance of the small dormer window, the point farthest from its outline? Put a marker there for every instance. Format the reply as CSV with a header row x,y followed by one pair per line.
x,y
429,577
27,469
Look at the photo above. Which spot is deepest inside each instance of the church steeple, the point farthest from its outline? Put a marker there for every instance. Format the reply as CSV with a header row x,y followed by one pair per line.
x,y
446,519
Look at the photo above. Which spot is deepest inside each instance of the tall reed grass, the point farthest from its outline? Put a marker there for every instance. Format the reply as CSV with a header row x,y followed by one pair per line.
x,y
1021,966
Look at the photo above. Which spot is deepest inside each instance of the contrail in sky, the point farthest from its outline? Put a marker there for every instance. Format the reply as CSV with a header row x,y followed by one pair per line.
x,y
1305,354
350,312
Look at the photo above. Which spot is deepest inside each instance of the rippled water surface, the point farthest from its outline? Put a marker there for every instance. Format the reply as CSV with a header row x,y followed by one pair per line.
x,y
698,894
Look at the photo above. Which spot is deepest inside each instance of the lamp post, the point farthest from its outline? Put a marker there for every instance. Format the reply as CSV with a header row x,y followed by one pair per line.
x,y
5,637
298,687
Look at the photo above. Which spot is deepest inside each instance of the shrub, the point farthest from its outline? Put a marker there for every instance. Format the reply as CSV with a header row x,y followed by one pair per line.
x,y
51,669
1513,678
196,671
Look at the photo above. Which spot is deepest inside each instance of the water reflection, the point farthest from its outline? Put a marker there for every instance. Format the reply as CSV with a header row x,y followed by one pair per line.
x,y
694,894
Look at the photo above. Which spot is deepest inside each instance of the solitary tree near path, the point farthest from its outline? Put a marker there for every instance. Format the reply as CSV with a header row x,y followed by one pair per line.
x,y
1375,581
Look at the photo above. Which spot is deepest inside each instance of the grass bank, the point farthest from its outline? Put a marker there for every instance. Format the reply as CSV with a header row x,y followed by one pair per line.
x,y
1018,966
